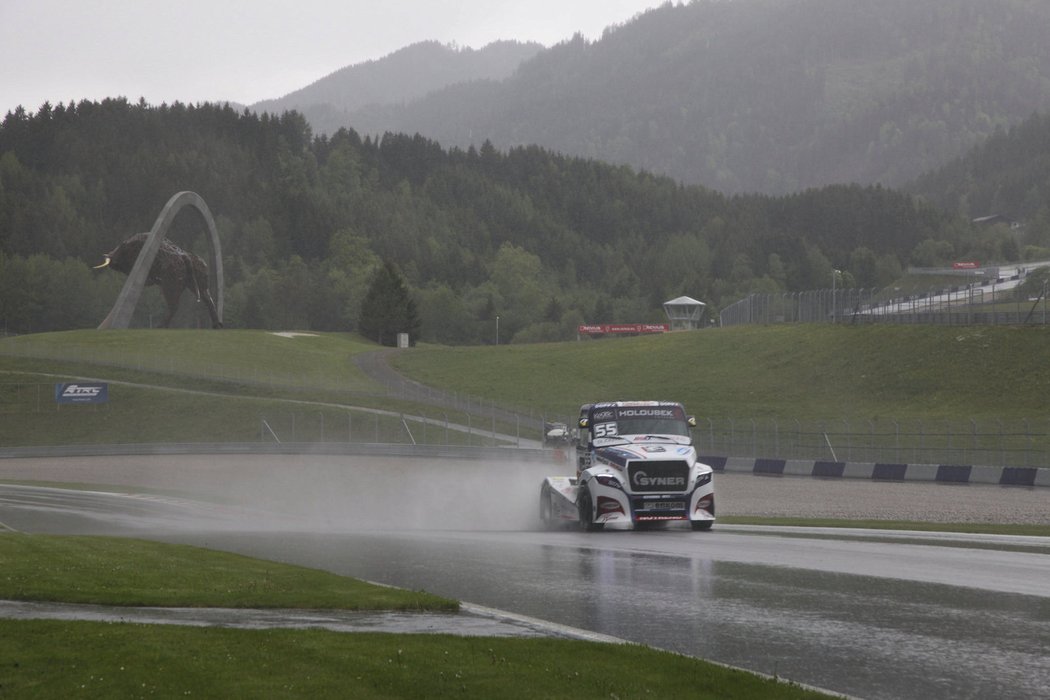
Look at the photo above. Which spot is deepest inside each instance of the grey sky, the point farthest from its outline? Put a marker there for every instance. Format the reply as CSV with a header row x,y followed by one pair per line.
x,y
249,50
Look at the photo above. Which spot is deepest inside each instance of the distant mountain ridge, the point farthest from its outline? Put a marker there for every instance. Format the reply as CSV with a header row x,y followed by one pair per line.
x,y
770,96
407,74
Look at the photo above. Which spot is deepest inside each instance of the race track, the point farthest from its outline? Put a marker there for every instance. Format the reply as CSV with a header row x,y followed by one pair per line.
x,y
856,612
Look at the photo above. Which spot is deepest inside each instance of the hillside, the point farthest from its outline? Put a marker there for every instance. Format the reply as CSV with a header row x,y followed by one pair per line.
x,y
1008,175
769,96
403,76
790,371
543,241
804,372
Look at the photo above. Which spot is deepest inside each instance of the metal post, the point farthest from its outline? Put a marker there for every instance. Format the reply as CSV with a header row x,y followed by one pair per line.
x,y
834,305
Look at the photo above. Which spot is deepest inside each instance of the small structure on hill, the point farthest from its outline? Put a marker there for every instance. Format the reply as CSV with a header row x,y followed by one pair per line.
x,y
684,313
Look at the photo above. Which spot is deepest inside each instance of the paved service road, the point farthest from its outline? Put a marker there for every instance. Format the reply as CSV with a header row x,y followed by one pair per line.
x,y
868,614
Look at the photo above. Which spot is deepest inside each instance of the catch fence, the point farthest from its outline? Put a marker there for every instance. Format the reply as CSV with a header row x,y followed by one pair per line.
x,y
29,416
954,306
1006,443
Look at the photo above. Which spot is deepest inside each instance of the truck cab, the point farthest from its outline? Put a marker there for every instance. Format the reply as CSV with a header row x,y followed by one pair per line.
x,y
635,465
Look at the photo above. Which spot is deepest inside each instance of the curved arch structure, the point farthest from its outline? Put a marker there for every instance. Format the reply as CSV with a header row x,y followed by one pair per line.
x,y
123,309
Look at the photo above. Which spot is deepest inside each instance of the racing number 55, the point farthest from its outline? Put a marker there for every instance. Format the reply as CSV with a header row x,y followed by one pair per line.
x,y
602,430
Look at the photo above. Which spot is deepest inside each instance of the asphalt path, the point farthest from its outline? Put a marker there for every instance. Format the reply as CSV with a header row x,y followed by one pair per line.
x,y
864,613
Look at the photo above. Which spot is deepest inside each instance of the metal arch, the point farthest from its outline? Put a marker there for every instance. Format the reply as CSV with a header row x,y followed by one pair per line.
x,y
123,309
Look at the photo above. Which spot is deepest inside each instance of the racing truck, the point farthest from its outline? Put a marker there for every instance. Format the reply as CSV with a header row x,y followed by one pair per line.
x,y
635,466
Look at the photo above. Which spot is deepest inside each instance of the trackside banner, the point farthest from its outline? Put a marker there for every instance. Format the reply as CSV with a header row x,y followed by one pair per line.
x,y
82,392
624,328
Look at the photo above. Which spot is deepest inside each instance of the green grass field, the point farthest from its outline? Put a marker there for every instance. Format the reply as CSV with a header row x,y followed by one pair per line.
x,y
54,658
117,571
983,375
98,660
183,386
302,361
806,371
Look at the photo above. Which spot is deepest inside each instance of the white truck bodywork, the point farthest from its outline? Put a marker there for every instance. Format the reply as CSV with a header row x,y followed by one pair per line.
x,y
636,466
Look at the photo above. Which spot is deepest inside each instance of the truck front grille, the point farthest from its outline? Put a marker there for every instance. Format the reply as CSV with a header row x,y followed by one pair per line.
x,y
670,476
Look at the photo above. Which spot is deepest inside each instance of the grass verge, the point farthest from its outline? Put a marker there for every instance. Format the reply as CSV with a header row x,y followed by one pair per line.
x,y
47,658
86,659
117,571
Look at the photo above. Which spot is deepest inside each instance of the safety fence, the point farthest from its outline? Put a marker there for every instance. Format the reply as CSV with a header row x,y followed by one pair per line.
x,y
192,372
953,306
1018,442
28,417
386,427
29,409
819,306
29,414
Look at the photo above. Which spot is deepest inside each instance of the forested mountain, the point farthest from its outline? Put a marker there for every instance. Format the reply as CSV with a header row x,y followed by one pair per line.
x,y
770,96
405,75
542,240
1007,176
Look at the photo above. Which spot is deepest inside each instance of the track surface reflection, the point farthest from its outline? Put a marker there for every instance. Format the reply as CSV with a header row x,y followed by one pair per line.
x,y
871,616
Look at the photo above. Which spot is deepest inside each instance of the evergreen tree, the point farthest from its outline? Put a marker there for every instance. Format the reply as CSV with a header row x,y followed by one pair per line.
x,y
388,308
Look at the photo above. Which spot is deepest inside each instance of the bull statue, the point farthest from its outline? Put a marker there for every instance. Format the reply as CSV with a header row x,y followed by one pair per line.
x,y
174,270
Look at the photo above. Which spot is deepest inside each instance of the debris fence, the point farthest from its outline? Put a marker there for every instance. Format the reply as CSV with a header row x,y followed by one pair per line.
x,y
1007,443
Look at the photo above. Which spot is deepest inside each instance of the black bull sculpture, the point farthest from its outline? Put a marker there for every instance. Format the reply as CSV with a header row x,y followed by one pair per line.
x,y
174,270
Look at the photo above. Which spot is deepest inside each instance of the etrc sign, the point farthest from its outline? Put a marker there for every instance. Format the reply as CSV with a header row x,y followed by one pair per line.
x,y
597,329
966,265
82,392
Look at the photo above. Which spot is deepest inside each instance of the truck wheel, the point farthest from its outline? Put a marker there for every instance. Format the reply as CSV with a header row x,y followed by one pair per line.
x,y
702,524
586,510
546,508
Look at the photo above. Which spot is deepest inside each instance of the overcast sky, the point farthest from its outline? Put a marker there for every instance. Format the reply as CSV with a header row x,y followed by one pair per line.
x,y
249,50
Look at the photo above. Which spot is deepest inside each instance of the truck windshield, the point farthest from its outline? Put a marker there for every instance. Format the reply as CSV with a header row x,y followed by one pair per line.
x,y
652,426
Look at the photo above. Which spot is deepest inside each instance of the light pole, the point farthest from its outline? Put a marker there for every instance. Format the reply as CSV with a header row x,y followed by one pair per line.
x,y
497,329
834,306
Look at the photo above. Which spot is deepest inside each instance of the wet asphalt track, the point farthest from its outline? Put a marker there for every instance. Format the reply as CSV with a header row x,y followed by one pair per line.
x,y
876,616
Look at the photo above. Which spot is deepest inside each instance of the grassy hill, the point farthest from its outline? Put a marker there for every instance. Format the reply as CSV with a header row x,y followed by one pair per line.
x,y
790,371
185,386
804,372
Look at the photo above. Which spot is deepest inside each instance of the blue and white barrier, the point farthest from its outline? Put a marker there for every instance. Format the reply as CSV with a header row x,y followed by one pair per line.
x,y
880,471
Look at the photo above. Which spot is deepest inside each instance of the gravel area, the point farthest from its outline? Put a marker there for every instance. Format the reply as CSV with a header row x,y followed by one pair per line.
x,y
788,496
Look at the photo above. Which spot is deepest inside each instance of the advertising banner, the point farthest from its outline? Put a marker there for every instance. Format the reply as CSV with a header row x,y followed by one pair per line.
x,y
594,329
82,392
